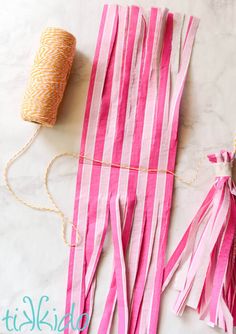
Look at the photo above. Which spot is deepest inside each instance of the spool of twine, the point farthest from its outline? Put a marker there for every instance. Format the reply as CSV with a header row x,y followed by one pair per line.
x,y
49,77
45,90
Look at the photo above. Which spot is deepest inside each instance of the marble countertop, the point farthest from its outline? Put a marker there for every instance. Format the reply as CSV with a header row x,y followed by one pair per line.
x,y
33,257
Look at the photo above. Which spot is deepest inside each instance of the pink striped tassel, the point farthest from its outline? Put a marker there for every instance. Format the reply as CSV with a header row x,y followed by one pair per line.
x,y
205,257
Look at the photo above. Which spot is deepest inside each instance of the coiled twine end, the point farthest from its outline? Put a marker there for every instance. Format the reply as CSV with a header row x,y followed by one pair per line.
x,y
49,77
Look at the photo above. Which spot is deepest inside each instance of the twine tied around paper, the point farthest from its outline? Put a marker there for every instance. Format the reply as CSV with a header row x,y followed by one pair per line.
x,y
55,208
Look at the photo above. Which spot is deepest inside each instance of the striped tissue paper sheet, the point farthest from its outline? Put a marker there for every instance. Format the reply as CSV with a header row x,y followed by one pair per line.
x,y
131,118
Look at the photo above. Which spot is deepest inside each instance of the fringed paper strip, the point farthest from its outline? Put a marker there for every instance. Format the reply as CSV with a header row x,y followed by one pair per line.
x,y
205,257
131,118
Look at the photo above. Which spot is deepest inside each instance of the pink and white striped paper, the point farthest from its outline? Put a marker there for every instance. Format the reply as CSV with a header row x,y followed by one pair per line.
x,y
206,256
137,80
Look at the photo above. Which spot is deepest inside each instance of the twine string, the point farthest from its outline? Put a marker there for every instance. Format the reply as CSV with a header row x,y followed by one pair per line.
x,y
146,170
65,221
55,207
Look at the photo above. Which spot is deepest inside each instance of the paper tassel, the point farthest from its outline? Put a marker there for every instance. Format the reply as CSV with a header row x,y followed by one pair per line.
x,y
205,257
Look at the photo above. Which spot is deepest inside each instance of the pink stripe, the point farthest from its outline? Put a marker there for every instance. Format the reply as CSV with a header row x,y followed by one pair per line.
x,y
122,184
99,146
135,148
150,190
100,234
110,302
234,303
138,130
89,208
123,311
123,97
222,262
215,232
98,154
121,40
121,87
78,279
150,107
117,80
199,254
118,144
169,179
207,283
176,257
188,30
105,322
122,109
137,69
80,166
135,179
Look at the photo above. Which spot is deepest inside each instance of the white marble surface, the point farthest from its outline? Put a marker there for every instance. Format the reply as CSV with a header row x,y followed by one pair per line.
x,y
33,258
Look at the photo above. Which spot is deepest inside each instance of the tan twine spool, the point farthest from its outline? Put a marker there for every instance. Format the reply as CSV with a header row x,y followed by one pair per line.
x,y
46,86
49,77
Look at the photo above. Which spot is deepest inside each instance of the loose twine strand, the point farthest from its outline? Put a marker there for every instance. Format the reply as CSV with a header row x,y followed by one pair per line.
x,y
55,208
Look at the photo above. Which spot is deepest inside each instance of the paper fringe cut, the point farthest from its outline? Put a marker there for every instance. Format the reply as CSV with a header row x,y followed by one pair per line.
x,y
131,118
205,257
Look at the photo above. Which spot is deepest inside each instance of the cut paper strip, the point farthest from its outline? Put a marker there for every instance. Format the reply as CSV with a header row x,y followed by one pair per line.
x,y
205,257
131,118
